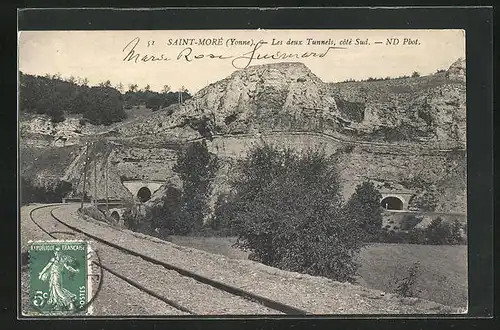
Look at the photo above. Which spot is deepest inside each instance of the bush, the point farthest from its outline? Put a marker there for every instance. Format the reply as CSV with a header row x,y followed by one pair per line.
x,y
364,208
130,219
224,211
437,233
406,286
168,216
93,212
287,211
426,201
410,221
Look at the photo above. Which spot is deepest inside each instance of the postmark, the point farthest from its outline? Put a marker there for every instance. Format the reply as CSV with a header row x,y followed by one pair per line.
x,y
59,281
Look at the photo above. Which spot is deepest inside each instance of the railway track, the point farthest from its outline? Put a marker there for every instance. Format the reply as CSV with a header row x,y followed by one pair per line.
x,y
183,290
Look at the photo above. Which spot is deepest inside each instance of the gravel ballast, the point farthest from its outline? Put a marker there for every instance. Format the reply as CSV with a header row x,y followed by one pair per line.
x,y
116,296
194,296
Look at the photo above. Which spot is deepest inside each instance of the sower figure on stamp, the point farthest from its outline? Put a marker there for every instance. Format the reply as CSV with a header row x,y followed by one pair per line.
x,y
59,297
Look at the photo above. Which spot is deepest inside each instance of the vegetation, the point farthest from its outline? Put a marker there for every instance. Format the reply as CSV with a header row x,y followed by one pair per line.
x,y
381,78
441,276
51,193
286,209
182,212
352,110
406,286
56,97
438,232
153,100
168,217
364,208
196,167
426,201
93,212
410,221
102,104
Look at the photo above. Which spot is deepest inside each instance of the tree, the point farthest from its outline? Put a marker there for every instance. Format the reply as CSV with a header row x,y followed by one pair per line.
x,y
364,208
196,167
133,87
154,102
147,88
56,97
72,80
106,83
168,215
426,201
166,89
119,87
415,74
286,208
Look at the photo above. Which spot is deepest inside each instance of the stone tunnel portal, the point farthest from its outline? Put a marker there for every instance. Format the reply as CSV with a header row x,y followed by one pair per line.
x,y
115,216
392,203
144,194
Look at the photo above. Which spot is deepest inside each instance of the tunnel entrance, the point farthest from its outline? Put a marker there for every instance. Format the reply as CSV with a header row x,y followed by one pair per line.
x,y
144,194
392,203
115,216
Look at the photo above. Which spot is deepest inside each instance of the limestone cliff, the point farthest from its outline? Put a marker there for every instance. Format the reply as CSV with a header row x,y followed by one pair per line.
x,y
398,129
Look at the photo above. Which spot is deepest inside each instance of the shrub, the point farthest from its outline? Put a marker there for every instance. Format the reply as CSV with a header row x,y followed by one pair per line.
x,y
223,212
130,219
55,97
354,111
364,208
438,232
410,221
406,286
93,212
168,216
287,211
426,201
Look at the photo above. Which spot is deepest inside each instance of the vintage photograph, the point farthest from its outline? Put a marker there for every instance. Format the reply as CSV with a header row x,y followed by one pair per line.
x,y
242,172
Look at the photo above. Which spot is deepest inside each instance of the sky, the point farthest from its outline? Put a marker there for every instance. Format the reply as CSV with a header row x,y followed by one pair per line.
x,y
127,56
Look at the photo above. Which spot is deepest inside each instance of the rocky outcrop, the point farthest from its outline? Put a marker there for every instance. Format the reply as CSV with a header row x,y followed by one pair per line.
x,y
457,70
259,98
430,109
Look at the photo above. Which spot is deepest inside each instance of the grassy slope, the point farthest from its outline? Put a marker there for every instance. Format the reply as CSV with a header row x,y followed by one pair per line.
x,y
443,276
378,90
443,270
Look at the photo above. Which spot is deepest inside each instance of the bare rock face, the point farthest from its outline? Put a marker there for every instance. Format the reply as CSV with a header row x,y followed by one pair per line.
x,y
259,98
457,70
426,110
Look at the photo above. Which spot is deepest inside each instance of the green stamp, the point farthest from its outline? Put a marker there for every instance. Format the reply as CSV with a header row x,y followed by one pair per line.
x,y
58,277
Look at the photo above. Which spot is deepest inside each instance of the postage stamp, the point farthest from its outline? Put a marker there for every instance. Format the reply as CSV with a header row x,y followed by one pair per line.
x,y
59,281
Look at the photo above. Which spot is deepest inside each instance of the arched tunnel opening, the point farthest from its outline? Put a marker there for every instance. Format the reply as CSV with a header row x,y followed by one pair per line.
x,y
144,194
115,216
392,203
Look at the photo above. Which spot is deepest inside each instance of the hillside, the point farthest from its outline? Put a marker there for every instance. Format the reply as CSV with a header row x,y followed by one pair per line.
x,y
397,130
259,98
422,109
289,97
